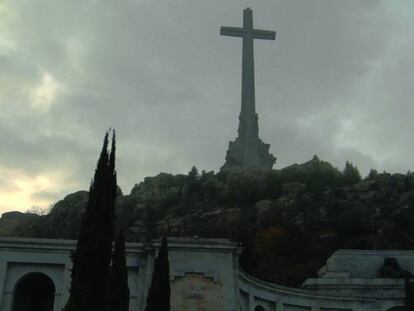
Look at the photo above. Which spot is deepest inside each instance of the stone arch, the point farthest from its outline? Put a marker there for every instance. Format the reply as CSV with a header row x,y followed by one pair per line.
x,y
34,291
259,308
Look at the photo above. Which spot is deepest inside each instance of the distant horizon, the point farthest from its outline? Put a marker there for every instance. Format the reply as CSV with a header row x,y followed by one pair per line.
x,y
51,204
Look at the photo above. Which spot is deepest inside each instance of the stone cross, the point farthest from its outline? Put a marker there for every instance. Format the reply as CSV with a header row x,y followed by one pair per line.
x,y
248,33
248,150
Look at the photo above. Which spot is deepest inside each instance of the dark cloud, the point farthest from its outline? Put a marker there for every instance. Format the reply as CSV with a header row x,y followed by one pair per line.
x,y
336,82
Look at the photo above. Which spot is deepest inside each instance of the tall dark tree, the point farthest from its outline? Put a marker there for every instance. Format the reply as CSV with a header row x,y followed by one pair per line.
x,y
193,174
409,295
119,276
91,261
350,174
158,298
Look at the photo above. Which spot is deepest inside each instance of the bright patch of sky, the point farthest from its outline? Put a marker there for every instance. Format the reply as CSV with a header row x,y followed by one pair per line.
x,y
18,190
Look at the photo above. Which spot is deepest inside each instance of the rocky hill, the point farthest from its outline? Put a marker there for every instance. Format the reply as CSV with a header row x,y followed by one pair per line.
x,y
289,221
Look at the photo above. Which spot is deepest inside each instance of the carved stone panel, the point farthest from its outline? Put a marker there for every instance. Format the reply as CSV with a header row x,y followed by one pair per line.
x,y
195,292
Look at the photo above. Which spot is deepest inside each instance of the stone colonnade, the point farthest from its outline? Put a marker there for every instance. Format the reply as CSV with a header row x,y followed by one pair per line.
x,y
204,275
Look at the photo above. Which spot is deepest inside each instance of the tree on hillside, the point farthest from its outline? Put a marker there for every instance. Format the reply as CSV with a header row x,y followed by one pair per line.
x,y
150,223
350,174
118,283
193,174
192,189
158,298
372,174
91,260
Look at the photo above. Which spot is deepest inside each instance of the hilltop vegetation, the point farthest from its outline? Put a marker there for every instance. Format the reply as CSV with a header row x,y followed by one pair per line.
x,y
289,221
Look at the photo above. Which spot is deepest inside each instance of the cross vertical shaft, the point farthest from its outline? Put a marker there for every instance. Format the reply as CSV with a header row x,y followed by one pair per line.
x,y
248,100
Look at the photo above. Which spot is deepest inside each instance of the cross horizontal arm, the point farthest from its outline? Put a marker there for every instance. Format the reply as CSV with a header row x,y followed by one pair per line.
x,y
264,34
232,31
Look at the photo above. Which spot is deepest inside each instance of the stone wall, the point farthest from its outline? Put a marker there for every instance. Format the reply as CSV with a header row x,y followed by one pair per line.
x,y
255,293
202,271
205,275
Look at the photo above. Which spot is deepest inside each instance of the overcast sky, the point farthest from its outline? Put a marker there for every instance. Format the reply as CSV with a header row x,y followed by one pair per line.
x,y
337,82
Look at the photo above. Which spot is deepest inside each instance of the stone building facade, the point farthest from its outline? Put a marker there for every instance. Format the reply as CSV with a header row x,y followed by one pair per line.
x,y
204,275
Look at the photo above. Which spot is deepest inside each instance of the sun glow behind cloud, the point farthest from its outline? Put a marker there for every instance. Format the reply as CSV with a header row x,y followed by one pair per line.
x,y
18,191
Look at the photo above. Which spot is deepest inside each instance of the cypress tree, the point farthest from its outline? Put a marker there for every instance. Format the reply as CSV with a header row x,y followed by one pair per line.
x,y
119,276
409,295
90,272
158,298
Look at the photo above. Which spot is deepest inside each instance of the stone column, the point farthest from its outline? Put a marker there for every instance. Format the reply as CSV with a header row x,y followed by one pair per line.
x,y
146,277
67,279
251,302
